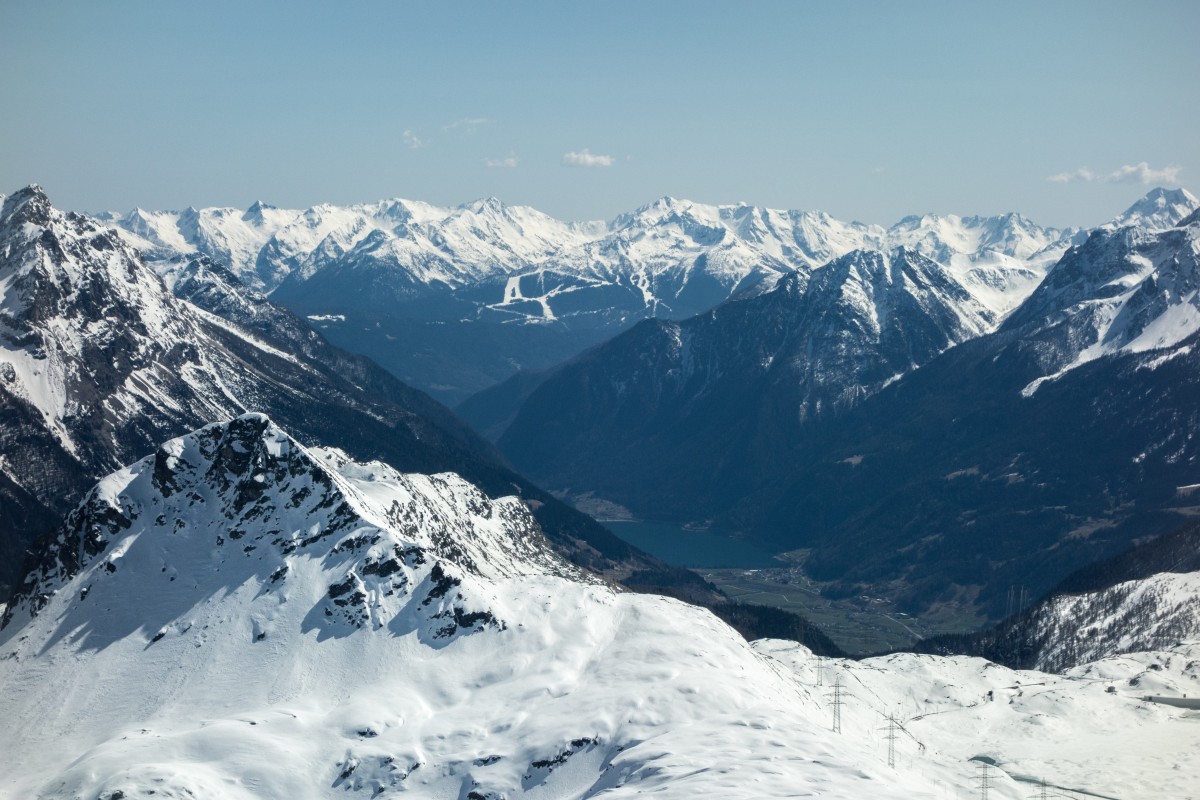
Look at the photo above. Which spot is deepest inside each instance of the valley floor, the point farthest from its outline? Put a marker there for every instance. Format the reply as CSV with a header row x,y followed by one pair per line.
x,y
859,625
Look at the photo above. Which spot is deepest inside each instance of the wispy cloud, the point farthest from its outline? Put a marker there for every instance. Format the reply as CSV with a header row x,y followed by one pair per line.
x,y
466,124
583,158
1141,172
1082,174
509,161
1144,173
411,139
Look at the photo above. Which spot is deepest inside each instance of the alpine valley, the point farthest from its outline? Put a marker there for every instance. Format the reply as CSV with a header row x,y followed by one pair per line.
x,y
892,434
239,561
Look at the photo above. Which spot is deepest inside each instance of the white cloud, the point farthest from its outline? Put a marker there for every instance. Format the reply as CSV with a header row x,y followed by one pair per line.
x,y
1144,173
411,139
1081,174
467,124
583,158
508,161
1141,172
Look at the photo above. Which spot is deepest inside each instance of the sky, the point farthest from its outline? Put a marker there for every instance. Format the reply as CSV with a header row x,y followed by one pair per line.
x,y
1067,112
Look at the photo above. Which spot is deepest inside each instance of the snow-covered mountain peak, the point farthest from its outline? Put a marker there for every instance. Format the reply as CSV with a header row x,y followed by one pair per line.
x,y
1160,209
485,205
72,290
656,209
241,501
897,288
258,212
1125,289
670,257
29,204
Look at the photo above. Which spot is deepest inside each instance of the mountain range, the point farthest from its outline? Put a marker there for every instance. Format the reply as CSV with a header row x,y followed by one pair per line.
x,y
878,421
100,362
101,359
271,569
453,300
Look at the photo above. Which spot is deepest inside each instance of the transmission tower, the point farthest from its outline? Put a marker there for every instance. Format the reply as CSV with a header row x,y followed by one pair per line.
x,y
891,737
984,778
820,671
1042,794
837,705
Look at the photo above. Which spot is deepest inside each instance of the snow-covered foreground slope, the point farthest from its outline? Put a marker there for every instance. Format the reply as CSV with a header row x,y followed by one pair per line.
x,y
238,617
1089,732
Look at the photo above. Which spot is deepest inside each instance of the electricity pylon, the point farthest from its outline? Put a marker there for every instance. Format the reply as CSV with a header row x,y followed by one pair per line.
x,y
984,779
891,737
837,705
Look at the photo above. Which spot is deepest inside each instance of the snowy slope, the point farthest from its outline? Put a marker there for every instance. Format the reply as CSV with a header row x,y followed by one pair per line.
x,y
1132,616
232,236
269,621
1088,732
273,622
1000,260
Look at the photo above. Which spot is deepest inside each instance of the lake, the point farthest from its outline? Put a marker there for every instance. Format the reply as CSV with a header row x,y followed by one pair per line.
x,y
688,548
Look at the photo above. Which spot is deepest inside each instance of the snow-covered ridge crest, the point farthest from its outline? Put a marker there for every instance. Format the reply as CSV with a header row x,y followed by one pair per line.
x,y
264,244
242,501
656,251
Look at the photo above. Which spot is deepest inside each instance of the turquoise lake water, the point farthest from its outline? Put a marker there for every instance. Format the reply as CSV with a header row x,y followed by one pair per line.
x,y
687,548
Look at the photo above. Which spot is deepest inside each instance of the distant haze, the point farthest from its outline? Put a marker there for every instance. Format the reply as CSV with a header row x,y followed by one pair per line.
x,y
870,111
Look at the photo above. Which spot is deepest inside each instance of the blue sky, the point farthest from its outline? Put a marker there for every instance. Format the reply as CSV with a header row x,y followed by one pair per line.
x,y
869,111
